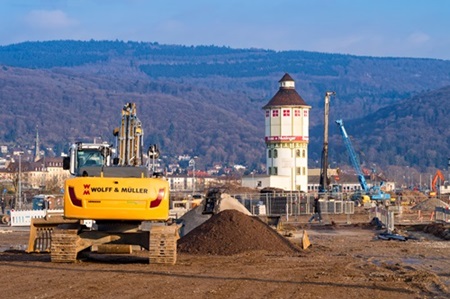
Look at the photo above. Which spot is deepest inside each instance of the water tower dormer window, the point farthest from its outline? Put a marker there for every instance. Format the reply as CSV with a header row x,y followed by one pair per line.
x,y
287,84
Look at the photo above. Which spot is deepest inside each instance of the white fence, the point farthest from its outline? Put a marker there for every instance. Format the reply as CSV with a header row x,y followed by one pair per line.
x,y
23,218
442,214
384,215
292,204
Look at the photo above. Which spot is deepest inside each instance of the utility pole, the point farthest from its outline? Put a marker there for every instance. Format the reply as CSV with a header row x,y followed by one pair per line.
x,y
19,195
324,183
192,164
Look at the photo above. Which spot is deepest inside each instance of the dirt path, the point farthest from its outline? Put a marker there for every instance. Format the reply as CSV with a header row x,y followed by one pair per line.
x,y
343,262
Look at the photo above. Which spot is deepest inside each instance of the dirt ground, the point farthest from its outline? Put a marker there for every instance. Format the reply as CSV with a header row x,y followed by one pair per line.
x,y
344,261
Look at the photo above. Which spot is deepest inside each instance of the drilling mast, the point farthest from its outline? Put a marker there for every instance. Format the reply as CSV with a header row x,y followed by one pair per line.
x,y
324,181
130,137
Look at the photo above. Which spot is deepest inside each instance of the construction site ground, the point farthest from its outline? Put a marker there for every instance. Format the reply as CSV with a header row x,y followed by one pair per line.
x,y
345,260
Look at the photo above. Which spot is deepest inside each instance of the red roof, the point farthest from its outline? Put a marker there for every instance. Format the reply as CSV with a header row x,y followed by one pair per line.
x,y
286,96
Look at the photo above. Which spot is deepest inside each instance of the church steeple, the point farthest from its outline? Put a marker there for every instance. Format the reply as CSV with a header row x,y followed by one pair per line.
x,y
37,155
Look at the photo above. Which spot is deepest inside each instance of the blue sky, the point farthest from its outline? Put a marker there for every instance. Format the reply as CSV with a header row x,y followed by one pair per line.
x,y
398,28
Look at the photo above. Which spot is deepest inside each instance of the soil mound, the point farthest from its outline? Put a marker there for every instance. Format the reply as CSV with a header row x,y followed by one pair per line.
x,y
231,232
429,205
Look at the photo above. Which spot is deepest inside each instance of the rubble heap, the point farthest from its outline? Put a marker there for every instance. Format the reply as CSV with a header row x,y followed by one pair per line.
x,y
232,232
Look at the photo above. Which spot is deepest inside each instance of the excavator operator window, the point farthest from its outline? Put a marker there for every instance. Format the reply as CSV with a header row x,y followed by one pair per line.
x,y
90,158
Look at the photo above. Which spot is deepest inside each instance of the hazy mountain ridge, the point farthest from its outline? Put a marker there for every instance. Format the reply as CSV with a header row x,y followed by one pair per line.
x,y
207,100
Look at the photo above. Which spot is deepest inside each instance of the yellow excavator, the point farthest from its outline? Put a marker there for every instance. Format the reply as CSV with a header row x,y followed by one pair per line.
x,y
112,202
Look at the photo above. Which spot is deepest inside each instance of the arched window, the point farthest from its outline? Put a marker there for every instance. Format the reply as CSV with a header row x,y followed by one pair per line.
x,y
275,153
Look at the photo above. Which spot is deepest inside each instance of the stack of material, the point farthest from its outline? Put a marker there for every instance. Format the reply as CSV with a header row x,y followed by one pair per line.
x,y
195,217
228,202
232,232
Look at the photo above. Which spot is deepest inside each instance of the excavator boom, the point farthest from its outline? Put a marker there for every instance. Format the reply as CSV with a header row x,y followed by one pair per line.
x,y
438,176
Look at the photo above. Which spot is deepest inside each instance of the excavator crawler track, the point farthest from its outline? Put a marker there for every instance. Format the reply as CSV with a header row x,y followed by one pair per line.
x,y
64,246
163,244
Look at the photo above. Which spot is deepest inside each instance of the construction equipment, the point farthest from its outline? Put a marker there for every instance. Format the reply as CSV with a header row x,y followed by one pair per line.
x,y
375,192
324,180
181,207
111,201
43,202
438,179
213,197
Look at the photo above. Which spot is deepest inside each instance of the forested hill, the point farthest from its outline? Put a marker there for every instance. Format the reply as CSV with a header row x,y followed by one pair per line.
x,y
207,100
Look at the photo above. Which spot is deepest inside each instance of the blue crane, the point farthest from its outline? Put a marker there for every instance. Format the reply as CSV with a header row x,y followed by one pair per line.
x,y
374,192
353,157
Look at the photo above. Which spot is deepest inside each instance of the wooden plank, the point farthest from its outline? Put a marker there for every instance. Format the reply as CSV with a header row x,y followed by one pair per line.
x,y
305,240
115,248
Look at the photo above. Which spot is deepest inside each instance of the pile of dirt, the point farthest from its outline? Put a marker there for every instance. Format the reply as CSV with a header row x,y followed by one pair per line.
x,y
429,205
231,232
439,230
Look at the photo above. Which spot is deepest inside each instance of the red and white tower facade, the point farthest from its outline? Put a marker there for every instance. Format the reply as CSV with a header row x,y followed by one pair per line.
x,y
287,137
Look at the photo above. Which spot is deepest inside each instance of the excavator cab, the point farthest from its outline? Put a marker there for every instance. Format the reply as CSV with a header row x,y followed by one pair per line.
x,y
87,155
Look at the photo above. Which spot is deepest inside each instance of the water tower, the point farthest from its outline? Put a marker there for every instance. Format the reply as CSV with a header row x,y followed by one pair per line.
x,y
287,137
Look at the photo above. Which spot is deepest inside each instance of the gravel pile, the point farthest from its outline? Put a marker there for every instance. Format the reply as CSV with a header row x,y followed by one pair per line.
x,y
232,232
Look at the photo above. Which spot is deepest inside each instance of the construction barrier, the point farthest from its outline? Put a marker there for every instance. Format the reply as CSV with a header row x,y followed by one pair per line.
x,y
292,204
23,217
385,216
442,214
